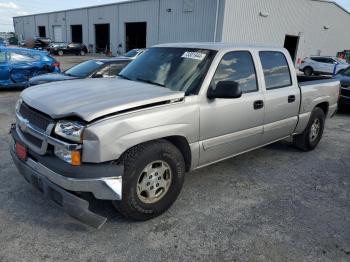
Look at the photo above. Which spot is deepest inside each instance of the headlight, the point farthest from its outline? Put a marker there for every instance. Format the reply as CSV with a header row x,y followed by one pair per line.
x,y
18,105
70,130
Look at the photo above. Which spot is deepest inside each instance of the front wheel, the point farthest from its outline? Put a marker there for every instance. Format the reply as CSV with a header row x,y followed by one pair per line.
x,y
60,53
153,177
308,71
312,135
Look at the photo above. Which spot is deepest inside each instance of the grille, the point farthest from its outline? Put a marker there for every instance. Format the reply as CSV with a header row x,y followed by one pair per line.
x,y
35,118
345,92
32,139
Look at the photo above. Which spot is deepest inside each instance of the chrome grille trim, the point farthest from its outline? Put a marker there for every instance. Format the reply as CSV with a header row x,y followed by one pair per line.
x,y
23,125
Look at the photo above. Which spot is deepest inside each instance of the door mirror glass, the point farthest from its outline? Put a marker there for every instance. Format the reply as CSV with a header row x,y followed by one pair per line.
x,y
225,90
98,75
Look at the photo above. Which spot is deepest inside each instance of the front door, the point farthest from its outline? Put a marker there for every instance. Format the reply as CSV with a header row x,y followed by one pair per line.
x,y
282,97
232,126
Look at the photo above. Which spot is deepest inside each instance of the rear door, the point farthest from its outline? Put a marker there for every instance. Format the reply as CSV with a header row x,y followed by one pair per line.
x,y
232,126
282,96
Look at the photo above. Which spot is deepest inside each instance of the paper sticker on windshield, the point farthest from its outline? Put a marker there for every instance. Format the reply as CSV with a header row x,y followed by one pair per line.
x,y
194,55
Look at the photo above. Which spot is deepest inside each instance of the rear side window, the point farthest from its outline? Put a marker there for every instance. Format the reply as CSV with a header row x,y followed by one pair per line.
x,y
276,70
239,67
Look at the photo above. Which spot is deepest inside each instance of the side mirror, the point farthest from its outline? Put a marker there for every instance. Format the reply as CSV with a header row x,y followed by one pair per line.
x,y
225,90
98,75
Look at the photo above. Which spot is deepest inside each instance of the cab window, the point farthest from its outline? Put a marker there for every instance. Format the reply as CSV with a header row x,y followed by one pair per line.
x,y
237,66
276,70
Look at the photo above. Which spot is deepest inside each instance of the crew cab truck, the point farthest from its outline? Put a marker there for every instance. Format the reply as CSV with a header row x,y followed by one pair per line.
x,y
176,108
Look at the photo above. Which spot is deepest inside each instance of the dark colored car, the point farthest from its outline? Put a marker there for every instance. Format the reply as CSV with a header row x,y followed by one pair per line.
x,y
42,43
344,78
96,68
17,65
64,48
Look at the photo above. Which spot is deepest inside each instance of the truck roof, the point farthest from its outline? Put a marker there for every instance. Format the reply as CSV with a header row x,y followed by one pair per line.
x,y
219,46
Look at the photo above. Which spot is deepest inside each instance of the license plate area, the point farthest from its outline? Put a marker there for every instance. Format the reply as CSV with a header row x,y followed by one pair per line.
x,y
21,151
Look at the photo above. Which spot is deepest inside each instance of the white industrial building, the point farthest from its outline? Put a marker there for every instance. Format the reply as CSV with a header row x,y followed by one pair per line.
x,y
305,27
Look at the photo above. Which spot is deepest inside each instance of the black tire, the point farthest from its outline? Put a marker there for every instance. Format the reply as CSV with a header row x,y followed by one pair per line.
x,y
305,141
60,53
308,71
135,161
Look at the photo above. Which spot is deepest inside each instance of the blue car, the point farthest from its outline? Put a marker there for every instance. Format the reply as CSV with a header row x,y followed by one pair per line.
x,y
344,78
17,65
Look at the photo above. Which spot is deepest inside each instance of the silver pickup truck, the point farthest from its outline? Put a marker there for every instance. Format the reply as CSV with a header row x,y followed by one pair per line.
x,y
176,108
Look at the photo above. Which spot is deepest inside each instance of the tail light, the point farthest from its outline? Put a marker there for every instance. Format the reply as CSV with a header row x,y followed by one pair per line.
x,y
302,61
56,64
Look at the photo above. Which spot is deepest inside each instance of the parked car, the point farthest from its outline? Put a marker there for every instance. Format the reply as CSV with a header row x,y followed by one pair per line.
x,y
344,78
64,48
135,53
176,108
322,65
17,65
42,43
96,68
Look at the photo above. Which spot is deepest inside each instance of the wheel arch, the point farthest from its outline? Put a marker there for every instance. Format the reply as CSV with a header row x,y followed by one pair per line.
x,y
324,106
180,142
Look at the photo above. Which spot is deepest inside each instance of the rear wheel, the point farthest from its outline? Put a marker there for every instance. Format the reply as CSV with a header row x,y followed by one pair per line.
x,y
82,52
312,135
308,71
153,177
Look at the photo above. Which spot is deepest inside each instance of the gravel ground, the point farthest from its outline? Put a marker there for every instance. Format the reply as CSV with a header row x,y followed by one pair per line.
x,y
273,204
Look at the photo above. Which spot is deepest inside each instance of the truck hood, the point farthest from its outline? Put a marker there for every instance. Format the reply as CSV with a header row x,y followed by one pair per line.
x,y
90,99
47,78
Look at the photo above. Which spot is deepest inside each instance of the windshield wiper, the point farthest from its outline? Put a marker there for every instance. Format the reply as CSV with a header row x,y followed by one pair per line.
x,y
123,76
149,82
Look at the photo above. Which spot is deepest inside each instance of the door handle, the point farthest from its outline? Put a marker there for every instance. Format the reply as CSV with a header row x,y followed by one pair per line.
x,y
258,104
291,99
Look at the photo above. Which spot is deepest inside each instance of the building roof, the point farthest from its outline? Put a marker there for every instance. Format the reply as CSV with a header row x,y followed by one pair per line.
x,y
131,1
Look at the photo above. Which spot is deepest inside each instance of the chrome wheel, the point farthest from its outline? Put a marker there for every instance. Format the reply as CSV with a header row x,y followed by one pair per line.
x,y
315,130
154,182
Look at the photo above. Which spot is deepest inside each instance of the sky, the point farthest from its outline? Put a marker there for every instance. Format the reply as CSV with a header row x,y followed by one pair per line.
x,y
8,9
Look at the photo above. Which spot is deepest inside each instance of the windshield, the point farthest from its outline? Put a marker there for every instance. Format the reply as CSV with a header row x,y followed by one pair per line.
x,y
179,69
131,53
340,61
346,72
84,69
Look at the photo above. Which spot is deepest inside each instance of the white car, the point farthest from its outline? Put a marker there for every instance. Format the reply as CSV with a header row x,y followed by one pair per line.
x,y
322,65
134,53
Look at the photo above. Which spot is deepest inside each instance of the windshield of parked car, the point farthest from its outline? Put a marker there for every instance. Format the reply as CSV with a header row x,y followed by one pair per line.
x,y
131,53
179,69
340,61
346,72
84,69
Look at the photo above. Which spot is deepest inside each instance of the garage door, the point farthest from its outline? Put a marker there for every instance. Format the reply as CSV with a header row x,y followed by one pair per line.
x,y
57,33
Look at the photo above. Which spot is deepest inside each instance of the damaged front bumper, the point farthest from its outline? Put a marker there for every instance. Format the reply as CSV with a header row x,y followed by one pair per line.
x,y
61,185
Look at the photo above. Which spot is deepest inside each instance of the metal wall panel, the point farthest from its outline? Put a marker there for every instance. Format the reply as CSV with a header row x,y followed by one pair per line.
x,y
142,11
78,17
104,15
42,20
57,19
268,22
178,25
